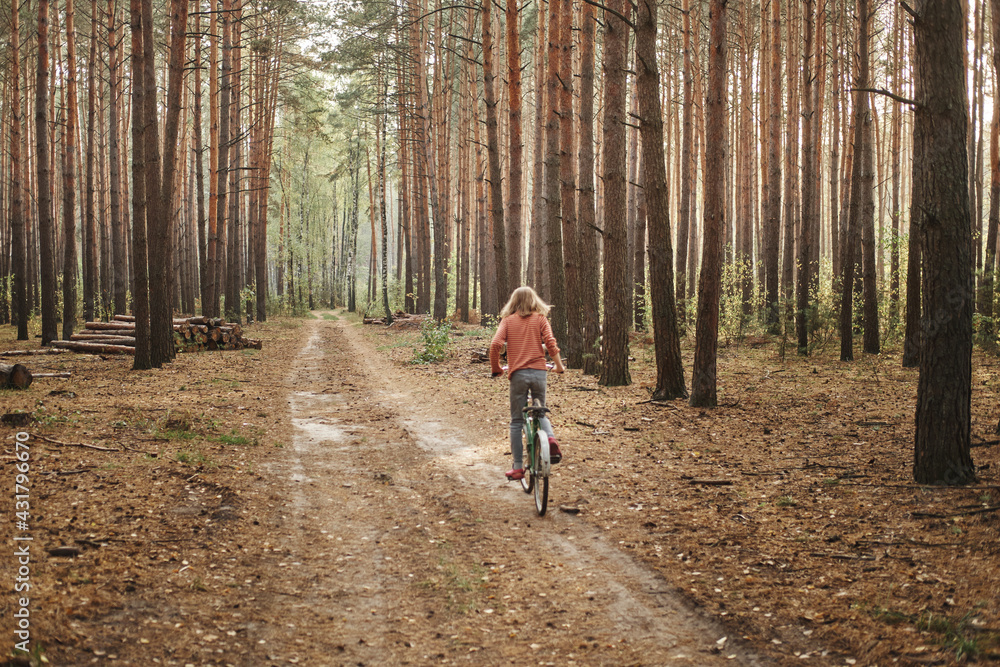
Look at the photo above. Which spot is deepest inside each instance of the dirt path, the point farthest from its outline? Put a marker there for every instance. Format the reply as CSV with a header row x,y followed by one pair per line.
x,y
399,543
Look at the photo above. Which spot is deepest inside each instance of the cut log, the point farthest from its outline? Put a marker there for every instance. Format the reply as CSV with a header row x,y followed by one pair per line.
x,y
104,338
16,376
26,353
109,326
93,348
124,318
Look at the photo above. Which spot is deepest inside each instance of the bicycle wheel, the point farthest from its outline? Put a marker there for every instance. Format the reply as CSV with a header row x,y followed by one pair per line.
x,y
542,481
527,482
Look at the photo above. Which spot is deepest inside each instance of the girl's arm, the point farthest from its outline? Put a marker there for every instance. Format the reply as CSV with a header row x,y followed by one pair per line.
x,y
551,346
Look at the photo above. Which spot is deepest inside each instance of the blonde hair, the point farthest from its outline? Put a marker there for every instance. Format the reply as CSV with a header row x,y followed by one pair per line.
x,y
524,301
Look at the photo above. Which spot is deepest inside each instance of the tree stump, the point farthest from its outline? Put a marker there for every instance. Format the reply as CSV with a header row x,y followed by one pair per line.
x,y
17,376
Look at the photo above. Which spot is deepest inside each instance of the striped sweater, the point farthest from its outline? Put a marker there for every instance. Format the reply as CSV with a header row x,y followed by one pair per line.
x,y
524,337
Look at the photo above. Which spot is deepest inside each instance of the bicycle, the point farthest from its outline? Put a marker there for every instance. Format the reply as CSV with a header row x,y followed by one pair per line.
x,y
537,460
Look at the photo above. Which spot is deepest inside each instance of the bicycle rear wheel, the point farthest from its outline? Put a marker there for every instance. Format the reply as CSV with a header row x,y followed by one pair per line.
x,y
527,482
540,478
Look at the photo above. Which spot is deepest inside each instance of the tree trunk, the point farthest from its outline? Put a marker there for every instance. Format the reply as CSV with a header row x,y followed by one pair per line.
x,y
791,184
866,187
515,160
234,227
556,269
18,219
381,137
687,171
745,166
943,421
588,239
803,284
216,249
638,257
614,367
772,217
118,228
566,320
669,368
896,140
43,181
703,380
989,265
538,214
90,263
140,283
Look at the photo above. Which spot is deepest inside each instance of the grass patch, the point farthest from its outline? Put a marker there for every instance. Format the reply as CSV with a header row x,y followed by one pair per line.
x,y
234,438
951,633
193,457
786,501
330,317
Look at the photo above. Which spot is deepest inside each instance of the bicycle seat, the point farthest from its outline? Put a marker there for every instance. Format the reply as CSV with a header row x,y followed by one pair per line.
x,y
535,409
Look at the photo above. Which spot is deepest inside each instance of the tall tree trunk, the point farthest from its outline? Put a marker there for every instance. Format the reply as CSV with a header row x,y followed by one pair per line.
x,y
614,367
989,266
18,219
588,239
216,244
669,368
515,160
791,185
703,379
943,420
439,255
835,140
140,283
90,264
566,321
896,139
43,181
234,245
866,187
772,217
807,230
538,214
687,171
553,195
380,136
745,165
199,149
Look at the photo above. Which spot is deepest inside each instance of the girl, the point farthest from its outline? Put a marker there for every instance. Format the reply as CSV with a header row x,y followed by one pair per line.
x,y
525,329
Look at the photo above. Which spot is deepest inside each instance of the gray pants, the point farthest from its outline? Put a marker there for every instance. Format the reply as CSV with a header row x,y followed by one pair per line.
x,y
520,382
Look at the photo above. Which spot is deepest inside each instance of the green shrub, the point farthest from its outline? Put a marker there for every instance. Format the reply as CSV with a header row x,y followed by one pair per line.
x,y
434,336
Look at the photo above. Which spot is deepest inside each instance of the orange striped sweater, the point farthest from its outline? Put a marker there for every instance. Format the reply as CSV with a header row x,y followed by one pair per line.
x,y
524,337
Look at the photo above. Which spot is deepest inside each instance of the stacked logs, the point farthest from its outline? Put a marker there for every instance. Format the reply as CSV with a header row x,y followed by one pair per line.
x,y
191,334
400,320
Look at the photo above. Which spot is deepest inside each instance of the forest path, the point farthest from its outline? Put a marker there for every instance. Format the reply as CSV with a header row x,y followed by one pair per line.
x,y
398,545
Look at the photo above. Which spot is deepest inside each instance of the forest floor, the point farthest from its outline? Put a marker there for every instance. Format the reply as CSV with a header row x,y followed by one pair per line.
x,y
325,501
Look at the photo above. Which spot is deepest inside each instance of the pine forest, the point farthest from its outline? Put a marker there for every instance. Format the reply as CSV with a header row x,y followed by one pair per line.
x,y
681,181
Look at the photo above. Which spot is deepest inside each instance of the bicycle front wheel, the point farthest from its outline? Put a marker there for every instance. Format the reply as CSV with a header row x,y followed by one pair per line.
x,y
527,482
540,478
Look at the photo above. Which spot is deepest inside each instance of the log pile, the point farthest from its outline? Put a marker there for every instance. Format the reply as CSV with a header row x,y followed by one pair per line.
x,y
191,334
400,320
